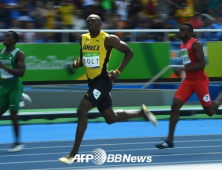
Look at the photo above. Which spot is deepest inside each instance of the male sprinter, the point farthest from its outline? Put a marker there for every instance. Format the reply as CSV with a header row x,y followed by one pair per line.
x,y
12,65
96,48
196,81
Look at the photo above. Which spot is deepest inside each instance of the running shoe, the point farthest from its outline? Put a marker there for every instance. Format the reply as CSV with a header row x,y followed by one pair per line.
x,y
21,103
26,98
165,144
69,159
16,147
149,115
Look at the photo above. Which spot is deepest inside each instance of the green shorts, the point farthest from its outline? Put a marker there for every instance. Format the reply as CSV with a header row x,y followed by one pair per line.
x,y
11,95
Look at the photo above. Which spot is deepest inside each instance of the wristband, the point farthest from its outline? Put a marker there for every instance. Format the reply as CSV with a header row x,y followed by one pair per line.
x,y
118,71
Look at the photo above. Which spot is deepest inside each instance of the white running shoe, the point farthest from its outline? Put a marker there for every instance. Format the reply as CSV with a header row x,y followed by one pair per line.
x,y
16,148
21,104
68,159
26,98
149,115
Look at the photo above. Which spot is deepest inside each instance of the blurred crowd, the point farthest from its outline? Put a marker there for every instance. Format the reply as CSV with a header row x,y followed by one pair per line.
x,y
115,14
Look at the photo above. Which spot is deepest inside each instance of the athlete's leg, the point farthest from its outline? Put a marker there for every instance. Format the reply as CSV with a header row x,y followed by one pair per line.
x,y
4,100
93,96
111,116
14,100
212,109
4,110
204,96
83,108
216,103
14,118
174,117
182,94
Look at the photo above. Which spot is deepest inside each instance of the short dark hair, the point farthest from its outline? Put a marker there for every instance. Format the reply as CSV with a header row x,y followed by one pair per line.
x,y
190,26
16,36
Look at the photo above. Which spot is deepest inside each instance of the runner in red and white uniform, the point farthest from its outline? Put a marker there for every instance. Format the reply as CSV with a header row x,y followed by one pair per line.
x,y
196,81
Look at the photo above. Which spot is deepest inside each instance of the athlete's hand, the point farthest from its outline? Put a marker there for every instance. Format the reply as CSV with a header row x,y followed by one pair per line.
x,y
72,67
113,75
179,71
76,63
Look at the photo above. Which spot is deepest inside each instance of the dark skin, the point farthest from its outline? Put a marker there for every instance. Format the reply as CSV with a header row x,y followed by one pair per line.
x,y
111,116
185,35
9,41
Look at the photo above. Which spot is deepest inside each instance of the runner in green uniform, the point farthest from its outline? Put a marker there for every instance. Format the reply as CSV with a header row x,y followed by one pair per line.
x,y
12,67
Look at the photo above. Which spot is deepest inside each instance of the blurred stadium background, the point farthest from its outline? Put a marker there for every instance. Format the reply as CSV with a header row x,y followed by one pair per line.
x,y
49,31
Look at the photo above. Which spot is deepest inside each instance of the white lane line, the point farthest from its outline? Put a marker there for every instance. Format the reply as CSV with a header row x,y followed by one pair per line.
x,y
186,147
113,144
138,166
27,162
153,155
122,138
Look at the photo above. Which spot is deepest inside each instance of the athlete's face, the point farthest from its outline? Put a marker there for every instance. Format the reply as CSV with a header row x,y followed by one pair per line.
x,y
184,32
93,23
8,39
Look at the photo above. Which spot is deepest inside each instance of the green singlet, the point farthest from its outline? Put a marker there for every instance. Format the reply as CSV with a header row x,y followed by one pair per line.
x,y
11,86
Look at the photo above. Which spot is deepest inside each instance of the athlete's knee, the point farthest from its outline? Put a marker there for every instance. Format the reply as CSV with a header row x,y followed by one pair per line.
x,y
14,115
114,118
210,113
177,104
175,108
209,110
110,121
82,115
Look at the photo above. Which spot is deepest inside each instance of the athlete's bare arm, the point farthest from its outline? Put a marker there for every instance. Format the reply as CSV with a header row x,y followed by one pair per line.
x,y
199,54
20,60
113,41
78,62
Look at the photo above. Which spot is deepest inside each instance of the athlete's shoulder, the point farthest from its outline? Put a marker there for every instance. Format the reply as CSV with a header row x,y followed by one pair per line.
x,y
85,35
20,53
197,45
2,50
103,33
112,37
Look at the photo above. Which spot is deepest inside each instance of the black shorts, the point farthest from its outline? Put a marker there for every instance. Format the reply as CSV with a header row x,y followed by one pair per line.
x,y
99,94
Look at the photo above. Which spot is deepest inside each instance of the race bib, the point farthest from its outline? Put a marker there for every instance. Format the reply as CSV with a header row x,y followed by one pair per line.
x,y
206,98
5,74
185,57
91,60
96,93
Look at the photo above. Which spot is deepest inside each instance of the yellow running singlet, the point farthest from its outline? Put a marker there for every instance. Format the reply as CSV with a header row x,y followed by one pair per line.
x,y
95,56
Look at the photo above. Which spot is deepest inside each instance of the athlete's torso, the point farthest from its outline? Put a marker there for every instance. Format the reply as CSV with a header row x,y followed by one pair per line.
x,y
95,56
189,59
8,61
